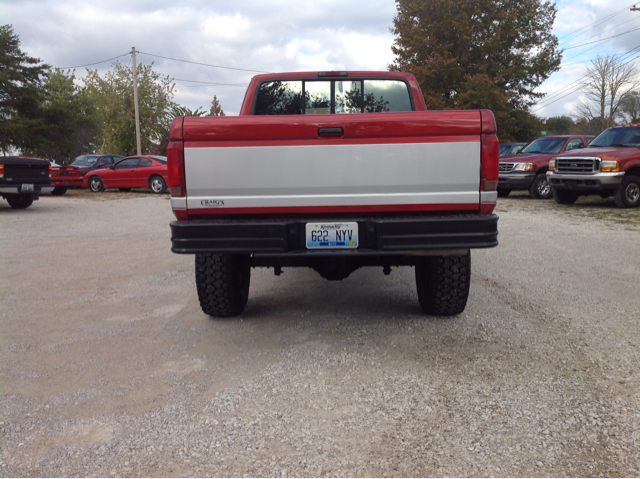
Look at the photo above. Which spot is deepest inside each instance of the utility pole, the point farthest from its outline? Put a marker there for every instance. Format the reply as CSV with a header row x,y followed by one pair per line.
x,y
135,100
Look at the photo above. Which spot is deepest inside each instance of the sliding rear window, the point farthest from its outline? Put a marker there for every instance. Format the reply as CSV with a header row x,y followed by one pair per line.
x,y
316,97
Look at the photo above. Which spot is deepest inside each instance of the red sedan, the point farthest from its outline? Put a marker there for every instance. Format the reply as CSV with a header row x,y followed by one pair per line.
x,y
131,172
64,177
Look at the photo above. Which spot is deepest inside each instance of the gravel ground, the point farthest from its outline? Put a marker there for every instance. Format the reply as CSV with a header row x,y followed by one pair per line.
x,y
109,368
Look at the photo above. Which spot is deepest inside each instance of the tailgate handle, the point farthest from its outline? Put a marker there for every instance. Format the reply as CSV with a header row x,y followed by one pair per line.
x,y
330,131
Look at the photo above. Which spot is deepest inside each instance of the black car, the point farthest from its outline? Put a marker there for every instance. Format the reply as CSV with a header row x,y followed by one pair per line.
x,y
22,179
87,163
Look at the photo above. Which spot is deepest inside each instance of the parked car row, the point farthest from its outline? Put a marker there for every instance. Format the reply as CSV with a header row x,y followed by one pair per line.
x,y
566,167
22,179
527,169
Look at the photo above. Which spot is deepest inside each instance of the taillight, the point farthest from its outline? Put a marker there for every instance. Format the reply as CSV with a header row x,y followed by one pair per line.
x,y
175,165
175,160
50,170
490,152
1,171
489,162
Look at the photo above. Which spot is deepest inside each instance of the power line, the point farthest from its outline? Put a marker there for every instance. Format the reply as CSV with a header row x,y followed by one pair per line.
x,y
608,17
603,39
96,63
203,64
596,46
211,83
546,101
576,89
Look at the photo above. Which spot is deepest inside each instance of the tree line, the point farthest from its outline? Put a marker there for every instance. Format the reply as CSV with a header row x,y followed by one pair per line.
x,y
45,112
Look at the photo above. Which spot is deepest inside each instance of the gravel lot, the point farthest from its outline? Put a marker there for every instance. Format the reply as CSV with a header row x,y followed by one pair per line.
x,y
109,368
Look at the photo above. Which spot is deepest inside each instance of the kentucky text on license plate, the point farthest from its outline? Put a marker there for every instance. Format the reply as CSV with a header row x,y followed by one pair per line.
x,y
332,235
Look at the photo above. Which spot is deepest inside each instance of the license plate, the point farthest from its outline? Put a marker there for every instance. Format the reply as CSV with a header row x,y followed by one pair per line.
x,y
27,188
332,235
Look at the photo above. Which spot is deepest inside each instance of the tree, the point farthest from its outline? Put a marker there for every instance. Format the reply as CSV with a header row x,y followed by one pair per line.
x,y
216,109
560,125
20,79
630,107
113,95
70,124
479,54
606,82
165,127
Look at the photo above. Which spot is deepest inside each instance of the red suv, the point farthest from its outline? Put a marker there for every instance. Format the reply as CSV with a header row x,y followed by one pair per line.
x,y
527,170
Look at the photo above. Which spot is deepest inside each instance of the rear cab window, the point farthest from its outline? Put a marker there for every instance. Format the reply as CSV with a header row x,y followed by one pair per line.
x,y
332,96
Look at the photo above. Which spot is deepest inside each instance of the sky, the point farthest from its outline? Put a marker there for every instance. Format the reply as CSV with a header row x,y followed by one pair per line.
x,y
213,47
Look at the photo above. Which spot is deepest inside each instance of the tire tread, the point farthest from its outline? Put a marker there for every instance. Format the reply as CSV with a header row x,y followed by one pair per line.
x,y
222,282
443,284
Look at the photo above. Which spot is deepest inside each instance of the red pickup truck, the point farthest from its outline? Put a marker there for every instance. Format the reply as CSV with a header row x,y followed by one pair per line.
x,y
527,169
334,171
609,167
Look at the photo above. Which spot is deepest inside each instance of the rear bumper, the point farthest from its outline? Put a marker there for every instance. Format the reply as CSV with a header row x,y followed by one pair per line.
x,y
67,181
377,236
17,189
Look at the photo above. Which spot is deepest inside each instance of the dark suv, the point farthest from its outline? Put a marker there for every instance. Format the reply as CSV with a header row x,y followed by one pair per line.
x,y
87,163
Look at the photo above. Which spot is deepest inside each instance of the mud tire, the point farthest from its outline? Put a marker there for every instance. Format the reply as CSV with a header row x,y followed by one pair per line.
x,y
443,284
222,281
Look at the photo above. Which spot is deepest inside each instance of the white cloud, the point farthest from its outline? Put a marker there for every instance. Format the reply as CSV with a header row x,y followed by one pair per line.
x,y
226,27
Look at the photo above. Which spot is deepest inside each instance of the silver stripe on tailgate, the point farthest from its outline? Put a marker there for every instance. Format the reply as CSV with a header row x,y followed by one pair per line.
x,y
333,175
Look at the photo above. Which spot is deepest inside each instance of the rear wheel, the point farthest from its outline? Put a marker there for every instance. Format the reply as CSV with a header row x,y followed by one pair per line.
x,y
95,184
540,188
564,197
157,184
503,192
59,191
443,284
222,281
628,195
20,201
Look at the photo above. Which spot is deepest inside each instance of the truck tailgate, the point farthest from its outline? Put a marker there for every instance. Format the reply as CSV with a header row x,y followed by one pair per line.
x,y
415,161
